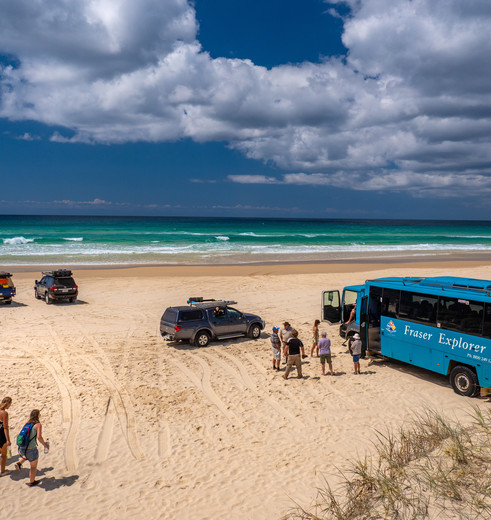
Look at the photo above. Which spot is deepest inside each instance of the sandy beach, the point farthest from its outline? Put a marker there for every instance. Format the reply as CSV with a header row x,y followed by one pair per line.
x,y
143,429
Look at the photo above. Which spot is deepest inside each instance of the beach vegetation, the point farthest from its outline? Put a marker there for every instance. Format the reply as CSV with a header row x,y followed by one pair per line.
x,y
432,468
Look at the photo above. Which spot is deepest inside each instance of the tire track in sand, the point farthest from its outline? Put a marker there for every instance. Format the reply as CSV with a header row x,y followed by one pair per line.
x,y
203,384
106,433
119,397
70,406
243,377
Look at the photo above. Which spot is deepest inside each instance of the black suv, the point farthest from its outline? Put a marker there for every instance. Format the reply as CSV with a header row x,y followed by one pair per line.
x,y
7,288
204,320
56,285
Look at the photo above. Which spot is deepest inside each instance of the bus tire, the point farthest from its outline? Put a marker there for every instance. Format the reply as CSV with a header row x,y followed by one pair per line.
x,y
464,381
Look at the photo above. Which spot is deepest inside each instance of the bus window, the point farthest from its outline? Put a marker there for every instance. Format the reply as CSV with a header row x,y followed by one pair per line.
x,y
460,315
487,321
390,302
418,307
349,302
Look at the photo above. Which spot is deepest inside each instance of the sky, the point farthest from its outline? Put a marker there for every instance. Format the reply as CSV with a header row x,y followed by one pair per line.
x,y
291,108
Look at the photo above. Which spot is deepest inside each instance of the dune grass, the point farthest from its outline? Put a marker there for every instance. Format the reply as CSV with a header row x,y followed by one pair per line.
x,y
433,468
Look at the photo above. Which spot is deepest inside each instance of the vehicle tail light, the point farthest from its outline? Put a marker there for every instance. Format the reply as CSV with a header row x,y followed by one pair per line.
x,y
52,288
75,287
177,328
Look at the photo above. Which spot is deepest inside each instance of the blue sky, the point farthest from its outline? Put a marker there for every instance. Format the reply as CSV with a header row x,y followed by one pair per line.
x,y
293,108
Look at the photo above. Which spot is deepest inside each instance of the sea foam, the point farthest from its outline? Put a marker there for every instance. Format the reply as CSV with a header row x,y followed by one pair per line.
x,y
15,241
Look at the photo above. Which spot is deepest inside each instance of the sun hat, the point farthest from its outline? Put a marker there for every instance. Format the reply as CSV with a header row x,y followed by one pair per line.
x,y
356,336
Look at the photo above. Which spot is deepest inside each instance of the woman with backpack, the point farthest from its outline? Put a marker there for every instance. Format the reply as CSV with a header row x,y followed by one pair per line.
x,y
4,432
30,451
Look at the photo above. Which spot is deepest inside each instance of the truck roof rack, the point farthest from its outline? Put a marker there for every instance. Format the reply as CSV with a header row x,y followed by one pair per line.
x,y
58,272
4,274
200,302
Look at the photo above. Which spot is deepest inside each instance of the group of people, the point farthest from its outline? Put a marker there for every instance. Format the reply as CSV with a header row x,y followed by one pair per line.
x,y
285,341
29,452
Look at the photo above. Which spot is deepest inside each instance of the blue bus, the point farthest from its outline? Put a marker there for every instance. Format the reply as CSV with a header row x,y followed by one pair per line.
x,y
441,324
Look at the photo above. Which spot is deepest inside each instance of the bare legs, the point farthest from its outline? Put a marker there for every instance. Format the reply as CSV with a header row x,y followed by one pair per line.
x,y
316,348
3,454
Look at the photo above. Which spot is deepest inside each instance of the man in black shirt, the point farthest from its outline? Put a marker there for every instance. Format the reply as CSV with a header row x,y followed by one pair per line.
x,y
292,351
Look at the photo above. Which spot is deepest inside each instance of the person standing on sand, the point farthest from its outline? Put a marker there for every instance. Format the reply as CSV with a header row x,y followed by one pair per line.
x,y
315,339
292,352
325,353
4,432
285,335
356,353
31,453
276,346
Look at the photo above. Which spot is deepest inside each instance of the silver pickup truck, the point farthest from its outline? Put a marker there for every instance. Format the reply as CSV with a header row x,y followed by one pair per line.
x,y
201,321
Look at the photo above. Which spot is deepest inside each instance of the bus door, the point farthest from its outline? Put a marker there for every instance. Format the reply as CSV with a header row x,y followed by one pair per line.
x,y
373,322
363,324
331,307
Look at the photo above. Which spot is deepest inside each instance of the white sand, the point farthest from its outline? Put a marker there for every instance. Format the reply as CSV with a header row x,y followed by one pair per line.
x,y
141,429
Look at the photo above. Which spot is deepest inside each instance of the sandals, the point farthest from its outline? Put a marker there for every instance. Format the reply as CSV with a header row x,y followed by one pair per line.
x,y
33,483
18,466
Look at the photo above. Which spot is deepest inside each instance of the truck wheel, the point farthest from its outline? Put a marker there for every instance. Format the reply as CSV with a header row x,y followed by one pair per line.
x,y
47,299
464,381
36,295
202,339
255,331
8,302
72,299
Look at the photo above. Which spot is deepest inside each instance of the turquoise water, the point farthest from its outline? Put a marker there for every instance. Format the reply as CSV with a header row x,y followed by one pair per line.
x,y
32,240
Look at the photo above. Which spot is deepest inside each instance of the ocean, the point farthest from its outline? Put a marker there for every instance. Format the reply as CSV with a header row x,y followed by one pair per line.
x,y
69,241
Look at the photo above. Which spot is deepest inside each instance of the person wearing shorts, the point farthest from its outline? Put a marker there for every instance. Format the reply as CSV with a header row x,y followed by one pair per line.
x,y
356,353
325,353
276,347
285,334
31,453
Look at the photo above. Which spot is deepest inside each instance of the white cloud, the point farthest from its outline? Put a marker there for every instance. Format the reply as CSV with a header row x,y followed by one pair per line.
x,y
26,136
410,107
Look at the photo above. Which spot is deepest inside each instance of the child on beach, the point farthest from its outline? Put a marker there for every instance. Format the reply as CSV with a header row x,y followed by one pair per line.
x,y
276,346
325,353
356,353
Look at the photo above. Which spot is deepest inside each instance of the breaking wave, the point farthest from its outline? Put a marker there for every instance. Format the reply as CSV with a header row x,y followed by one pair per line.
x,y
15,241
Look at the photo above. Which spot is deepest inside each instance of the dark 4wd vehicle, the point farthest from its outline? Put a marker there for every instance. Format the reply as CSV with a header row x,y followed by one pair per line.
x,y
7,288
56,285
204,320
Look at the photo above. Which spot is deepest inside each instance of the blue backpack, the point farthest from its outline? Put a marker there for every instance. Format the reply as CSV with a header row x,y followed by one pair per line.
x,y
24,436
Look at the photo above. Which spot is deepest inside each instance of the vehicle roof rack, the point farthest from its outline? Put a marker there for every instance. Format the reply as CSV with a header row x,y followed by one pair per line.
x,y
200,302
58,272
4,274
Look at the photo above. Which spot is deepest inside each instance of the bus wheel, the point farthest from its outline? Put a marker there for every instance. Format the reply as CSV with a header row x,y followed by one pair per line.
x,y
464,381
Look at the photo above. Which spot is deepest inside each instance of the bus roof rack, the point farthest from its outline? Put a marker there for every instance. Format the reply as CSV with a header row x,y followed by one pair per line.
x,y
443,282
199,301
58,272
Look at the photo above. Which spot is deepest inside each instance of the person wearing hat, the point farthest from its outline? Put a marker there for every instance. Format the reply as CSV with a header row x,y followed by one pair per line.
x,y
276,346
356,352
285,335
